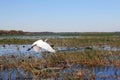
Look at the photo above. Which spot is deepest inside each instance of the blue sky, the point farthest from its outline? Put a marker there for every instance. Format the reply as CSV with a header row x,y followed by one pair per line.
x,y
60,15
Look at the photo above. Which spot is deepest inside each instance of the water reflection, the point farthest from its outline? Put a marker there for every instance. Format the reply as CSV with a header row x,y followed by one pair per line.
x,y
100,72
9,49
14,74
17,50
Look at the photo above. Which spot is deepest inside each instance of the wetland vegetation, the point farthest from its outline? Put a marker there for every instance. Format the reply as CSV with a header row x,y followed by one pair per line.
x,y
89,56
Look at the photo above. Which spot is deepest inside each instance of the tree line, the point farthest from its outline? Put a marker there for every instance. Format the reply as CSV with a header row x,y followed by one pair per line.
x,y
4,32
20,32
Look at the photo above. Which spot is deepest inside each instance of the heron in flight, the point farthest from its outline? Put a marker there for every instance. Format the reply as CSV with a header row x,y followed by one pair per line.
x,y
42,46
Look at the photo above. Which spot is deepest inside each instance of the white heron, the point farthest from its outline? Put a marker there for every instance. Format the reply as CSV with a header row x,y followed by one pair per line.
x,y
41,46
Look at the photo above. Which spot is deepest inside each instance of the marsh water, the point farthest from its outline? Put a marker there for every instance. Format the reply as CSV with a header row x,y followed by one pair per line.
x,y
16,49
37,37
101,72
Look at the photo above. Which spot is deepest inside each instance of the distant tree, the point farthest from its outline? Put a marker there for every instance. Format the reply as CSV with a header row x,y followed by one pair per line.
x,y
6,32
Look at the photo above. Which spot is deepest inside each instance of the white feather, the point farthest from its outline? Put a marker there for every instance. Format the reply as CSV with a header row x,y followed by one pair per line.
x,y
40,44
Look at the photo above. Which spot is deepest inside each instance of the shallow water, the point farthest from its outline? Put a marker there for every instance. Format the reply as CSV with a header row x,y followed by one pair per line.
x,y
16,49
101,73
37,37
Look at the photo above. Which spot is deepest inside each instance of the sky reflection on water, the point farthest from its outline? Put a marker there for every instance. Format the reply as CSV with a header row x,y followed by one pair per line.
x,y
102,73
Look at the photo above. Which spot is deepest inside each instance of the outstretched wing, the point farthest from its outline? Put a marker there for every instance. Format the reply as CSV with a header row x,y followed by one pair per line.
x,y
43,45
37,49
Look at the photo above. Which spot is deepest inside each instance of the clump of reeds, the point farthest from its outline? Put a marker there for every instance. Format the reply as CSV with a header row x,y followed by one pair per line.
x,y
50,66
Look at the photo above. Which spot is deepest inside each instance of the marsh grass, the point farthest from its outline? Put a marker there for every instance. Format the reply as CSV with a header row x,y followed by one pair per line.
x,y
38,68
51,66
86,41
16,41
71,42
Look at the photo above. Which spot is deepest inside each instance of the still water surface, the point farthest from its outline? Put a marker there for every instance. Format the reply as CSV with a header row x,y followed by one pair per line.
x,y
102,73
